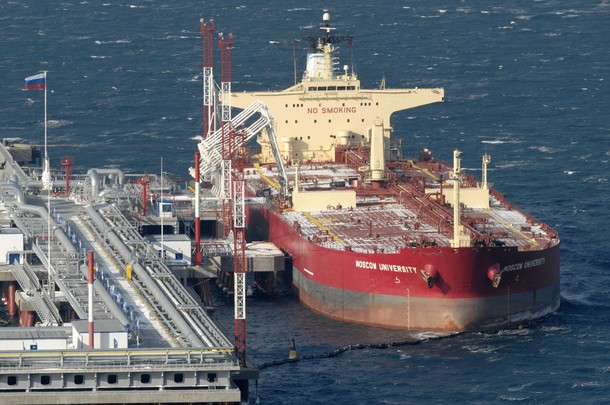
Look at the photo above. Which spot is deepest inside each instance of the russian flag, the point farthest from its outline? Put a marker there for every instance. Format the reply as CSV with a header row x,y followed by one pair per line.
x,y
38,81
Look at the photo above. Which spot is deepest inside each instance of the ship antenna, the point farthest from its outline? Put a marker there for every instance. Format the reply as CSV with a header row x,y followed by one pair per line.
x,y
294,58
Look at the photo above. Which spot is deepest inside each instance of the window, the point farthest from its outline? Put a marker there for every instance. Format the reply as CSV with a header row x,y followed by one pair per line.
x,y
11,380
79,379
45,379
178,378
112,379
145,378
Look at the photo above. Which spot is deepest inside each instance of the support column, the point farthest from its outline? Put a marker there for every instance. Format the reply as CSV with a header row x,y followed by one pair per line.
x,y
11,307
90,304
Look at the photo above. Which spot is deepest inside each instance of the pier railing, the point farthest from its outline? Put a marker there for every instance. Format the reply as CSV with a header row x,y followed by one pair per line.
x,y
209,358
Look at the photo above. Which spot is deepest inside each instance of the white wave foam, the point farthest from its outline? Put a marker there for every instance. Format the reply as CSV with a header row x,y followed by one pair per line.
x,y
543,149
118,41
58,123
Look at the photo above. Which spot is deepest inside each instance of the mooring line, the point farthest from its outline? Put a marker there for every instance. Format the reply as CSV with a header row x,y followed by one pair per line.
x,y
358,346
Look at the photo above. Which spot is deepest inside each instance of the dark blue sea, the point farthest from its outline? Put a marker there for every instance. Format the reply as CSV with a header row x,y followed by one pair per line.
x,y
526,81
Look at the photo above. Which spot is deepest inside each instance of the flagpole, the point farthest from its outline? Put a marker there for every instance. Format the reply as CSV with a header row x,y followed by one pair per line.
x,y
162,214
46,170
48,186
45,116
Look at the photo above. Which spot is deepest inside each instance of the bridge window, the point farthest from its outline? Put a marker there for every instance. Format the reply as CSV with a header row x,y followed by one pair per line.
x,y
79,379
11,380
212,377
178,378
45,379
145,378
112,379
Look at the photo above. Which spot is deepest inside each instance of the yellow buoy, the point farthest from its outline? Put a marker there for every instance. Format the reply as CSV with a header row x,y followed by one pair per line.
x,y
292,354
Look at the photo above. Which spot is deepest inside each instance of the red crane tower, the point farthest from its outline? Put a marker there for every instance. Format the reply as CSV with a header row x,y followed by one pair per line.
x,y
239,243
226,44
233,188
207,37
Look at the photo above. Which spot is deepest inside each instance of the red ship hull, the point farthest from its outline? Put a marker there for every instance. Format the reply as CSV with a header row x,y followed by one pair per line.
x,y
389,290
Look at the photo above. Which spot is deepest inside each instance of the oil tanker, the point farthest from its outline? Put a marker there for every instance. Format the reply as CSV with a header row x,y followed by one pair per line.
x,y
377,238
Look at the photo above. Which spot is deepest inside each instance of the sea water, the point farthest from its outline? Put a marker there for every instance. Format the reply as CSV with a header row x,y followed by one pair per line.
x,y
525,81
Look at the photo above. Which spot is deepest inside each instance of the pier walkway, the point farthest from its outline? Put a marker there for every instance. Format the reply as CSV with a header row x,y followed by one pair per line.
x,y
175,351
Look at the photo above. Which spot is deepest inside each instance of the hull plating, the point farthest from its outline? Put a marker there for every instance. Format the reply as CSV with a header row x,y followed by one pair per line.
x,y
389,290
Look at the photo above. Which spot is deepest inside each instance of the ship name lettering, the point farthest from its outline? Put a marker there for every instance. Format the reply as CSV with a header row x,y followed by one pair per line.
x,y
513,267
397,268
363,264
525,265
534,263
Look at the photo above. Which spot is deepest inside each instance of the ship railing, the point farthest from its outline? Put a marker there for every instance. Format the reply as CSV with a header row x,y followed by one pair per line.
x,y
430,210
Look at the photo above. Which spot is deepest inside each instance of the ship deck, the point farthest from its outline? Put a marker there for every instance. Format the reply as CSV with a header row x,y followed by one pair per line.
x,y
399,216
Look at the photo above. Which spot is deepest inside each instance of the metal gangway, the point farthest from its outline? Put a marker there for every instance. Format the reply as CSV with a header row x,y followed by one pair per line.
x,y
210,148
